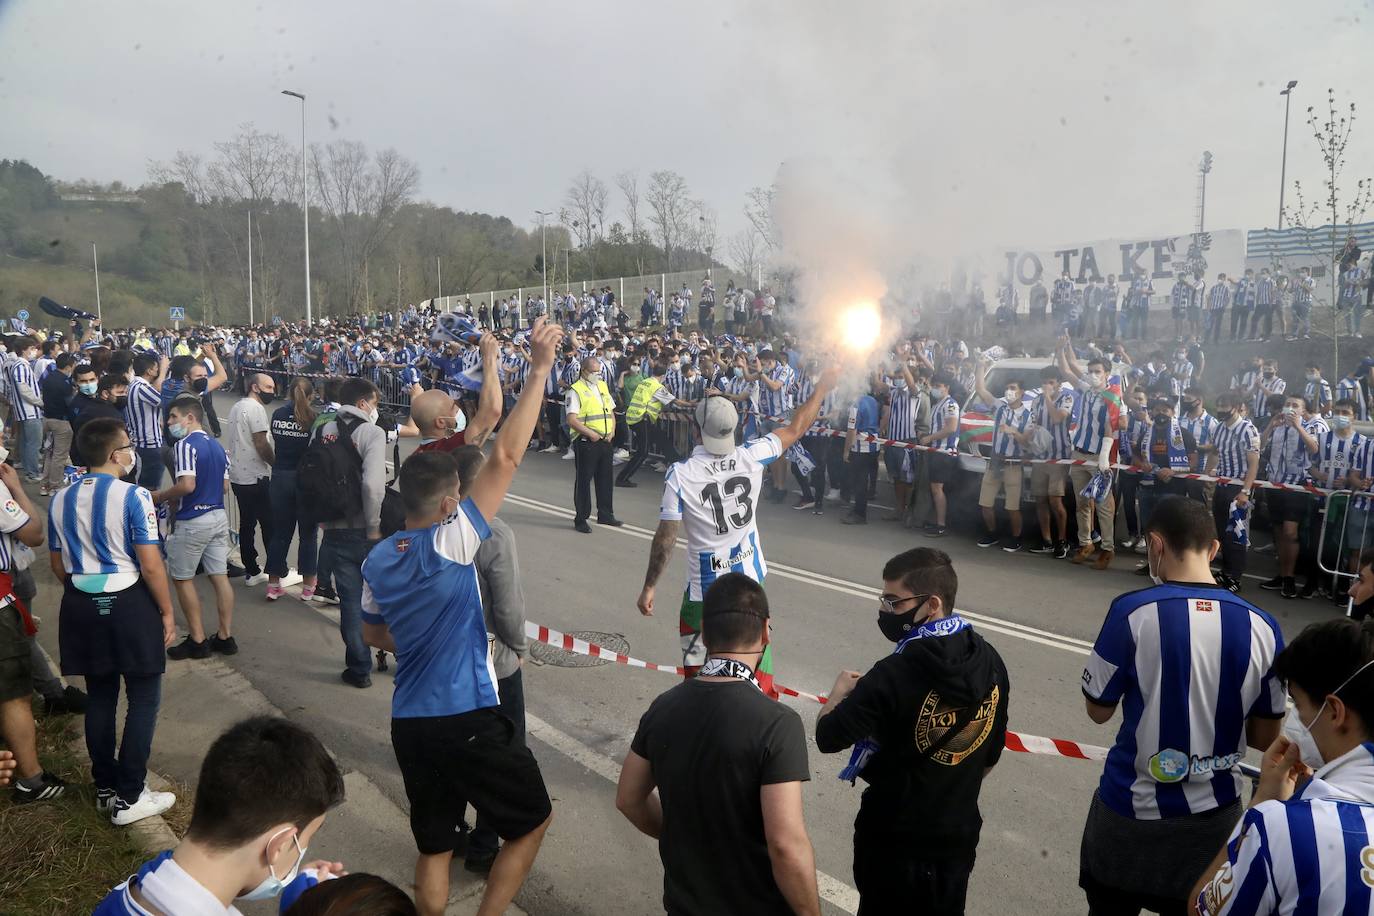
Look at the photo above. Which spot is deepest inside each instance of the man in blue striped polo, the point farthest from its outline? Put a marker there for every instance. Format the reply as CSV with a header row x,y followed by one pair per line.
x,y
1190,665
143,417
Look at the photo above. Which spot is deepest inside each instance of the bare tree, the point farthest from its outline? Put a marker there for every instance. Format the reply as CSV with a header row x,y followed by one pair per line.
x,y
586,201
1339,213
705,239
758,209
669,211
746,253
628,183
253,166
360,193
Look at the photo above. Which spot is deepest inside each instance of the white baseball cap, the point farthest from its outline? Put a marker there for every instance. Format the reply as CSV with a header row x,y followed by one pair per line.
x,y
717,418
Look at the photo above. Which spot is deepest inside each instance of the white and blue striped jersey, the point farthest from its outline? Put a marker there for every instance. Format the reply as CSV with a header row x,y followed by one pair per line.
x,y
1318,394
1203,428
1311,854
143,415
714,497
940,415
1267,387
1061,445
1289,459
1094,422
901,411
1335,458
1189,664
1235,443
21,381
776,403
97,522
1349,389
1009,416
12,518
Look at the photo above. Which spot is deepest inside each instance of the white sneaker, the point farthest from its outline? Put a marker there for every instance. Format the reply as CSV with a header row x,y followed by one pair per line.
x,y
291,578
568,455
149,804
1128,543
549,448
250,581
1142,546
621,454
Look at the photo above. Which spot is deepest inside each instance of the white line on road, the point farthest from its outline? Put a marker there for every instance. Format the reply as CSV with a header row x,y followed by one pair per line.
x,y
831,888
844,586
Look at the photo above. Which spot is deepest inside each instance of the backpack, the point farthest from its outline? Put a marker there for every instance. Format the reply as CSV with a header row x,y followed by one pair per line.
x,y
393,508
329,478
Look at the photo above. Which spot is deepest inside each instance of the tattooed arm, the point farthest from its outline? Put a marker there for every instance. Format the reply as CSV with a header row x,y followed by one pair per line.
x,y
665,538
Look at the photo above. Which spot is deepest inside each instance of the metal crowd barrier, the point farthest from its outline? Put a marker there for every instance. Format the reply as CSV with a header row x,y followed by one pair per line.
x,y
1344,543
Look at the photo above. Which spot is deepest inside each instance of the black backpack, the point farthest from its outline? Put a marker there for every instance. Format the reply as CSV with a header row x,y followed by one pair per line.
x,y
393,508
329,478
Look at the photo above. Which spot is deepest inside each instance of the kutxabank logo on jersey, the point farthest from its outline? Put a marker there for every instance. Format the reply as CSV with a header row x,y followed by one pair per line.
x,y
1170,766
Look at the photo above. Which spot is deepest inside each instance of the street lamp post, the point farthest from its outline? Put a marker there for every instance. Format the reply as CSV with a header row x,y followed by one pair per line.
x,y
1287,94
544,245
95,260
305,200
1203,168
250,268
439,268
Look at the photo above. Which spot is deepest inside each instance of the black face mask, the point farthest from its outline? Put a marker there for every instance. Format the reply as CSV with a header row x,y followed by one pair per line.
x,y
1225,415
199,385
1162,421
267,397
1190,406
897,627
120,402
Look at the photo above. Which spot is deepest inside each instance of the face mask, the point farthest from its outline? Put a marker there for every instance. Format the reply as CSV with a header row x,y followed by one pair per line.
x,y
1096,380
1340,422
120,402
1313,376
897,627
1190,406
897,384
267,397
127,469
271,886
1012,395
1181,355
1162,420
87,388
177,431
739,372
939,394
1301,735
460,422
1269,373
1153,563
1225,415
372,415
199,385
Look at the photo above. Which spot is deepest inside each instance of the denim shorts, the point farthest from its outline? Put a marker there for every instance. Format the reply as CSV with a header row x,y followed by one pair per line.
x,y
199,541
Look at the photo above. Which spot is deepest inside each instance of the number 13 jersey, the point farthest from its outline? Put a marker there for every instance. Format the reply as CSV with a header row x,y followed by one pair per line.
x,y
715,497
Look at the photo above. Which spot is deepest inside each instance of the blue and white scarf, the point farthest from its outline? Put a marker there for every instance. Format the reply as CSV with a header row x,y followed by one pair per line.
x,y
1239,524
865,748
799,456
1099,488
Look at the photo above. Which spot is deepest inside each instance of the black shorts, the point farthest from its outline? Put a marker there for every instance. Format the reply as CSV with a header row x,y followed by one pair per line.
x,y
473,757
110,633
941,468
1287,505
894,456
16,674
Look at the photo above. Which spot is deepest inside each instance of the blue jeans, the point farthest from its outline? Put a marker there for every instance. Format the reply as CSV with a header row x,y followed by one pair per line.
x,y
150,469
30,443
287,519
343,550
125,773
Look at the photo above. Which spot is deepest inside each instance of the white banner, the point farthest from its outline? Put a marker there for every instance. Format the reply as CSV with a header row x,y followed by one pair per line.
x,y
1161,258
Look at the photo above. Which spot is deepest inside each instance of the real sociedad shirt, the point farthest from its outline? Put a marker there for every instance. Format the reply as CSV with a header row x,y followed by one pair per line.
x,y
1189,663
715,497
422,585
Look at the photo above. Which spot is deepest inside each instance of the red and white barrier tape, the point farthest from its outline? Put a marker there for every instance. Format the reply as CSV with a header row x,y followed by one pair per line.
x,y
1023,744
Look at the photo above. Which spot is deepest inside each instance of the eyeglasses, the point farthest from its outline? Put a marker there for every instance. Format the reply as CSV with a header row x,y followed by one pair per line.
x,y
121,448
889,603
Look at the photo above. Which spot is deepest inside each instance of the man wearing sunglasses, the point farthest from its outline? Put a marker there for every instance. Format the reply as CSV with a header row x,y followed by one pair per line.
x,y
926,723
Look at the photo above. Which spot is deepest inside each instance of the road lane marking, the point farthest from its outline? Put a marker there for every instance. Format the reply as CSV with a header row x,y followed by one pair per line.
x,y
832,889
843,586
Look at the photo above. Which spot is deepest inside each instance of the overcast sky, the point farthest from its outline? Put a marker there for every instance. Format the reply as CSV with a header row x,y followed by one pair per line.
x,y
1015,124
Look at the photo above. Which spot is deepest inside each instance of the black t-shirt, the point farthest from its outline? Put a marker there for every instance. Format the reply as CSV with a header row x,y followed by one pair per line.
x,y
712,745
288,439
920,793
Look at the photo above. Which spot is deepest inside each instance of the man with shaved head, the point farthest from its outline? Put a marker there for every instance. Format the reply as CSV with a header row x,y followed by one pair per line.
x,y
441,422
250,470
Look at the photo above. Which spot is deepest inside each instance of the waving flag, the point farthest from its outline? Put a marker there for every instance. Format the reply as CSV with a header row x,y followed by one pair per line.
x,y
801,458
1098,488
1238,525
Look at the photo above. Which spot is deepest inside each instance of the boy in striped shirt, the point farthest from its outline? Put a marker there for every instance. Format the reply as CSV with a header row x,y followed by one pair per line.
x,y
1004,472
1051,411
942,465
1308,848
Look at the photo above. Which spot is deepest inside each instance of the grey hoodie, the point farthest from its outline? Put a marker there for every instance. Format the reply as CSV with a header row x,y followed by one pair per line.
x,y
370,440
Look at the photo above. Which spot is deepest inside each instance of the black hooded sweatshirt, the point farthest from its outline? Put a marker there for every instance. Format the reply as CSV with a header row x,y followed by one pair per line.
x,y
919,788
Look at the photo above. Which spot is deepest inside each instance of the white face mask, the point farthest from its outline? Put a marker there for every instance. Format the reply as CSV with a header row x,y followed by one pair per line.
x,y
460,422
1012,396
1301,735
1153,563
272,886
1095,379
372,415
119,460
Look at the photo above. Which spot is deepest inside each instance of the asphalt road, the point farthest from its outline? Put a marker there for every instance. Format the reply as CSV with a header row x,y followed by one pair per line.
x,y
1040,614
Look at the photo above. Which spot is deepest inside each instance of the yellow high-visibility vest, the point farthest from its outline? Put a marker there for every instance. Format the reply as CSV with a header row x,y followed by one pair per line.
x,y
596,407
643,403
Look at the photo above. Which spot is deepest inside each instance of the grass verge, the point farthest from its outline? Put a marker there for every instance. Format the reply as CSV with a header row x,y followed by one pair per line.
x,y
62,856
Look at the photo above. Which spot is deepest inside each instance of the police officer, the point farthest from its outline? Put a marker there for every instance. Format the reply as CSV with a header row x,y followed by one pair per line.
x,y
591,417
649,399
